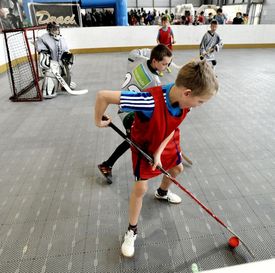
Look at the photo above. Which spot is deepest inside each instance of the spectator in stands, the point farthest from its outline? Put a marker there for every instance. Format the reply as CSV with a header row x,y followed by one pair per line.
x,y
88,19
188,18
210,18
99,18
15,20
168,15
172,17
138,16
183,20
133,20
135,17
238,20
5,23
220,17
201,18
142,22
157,20
150,18
245,18
196,21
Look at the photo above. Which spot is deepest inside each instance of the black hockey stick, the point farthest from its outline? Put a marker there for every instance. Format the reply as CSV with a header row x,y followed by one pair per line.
x,y
150,160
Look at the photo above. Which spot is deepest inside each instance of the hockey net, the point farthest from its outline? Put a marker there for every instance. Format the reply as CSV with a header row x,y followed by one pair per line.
x,y
22,60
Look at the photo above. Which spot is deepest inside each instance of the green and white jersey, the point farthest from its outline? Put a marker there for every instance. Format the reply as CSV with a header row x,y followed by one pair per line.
x,y
139,74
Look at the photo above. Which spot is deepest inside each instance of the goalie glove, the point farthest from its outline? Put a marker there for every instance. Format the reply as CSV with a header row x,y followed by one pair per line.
x,y
45,60
67,58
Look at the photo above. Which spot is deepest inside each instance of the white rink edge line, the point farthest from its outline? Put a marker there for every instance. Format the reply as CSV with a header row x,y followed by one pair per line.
x,y
254,267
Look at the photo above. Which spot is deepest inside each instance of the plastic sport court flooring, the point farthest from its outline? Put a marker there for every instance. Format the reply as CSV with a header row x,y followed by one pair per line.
x,y
58,214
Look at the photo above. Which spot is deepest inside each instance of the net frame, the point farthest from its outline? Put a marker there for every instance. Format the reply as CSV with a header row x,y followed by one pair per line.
x,y
22,63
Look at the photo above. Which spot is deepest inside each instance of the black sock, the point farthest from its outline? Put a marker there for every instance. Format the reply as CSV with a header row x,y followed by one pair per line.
x,y
162,192
133,228
119,151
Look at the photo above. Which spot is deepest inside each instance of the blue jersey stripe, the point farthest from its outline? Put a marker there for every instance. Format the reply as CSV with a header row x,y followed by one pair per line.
x,y
136,102
129,93
131,101
123,97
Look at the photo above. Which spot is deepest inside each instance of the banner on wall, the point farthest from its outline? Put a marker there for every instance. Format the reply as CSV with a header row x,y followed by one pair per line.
x,y
66,15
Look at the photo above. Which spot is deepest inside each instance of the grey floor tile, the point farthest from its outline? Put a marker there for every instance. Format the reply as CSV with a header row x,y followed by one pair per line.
x,y
58,214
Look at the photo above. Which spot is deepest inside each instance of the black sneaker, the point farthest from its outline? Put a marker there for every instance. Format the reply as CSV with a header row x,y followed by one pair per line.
x,y
106,172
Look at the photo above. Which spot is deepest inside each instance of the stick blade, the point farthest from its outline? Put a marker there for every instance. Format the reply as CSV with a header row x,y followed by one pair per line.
x,y
78,92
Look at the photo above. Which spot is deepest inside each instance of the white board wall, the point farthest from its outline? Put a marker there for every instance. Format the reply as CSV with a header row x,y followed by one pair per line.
x,y
136,36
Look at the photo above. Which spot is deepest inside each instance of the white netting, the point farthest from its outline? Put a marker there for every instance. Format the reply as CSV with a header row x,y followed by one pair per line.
x,y
23,70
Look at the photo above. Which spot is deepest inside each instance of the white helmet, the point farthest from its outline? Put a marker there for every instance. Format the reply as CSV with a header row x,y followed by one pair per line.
x,y
54,30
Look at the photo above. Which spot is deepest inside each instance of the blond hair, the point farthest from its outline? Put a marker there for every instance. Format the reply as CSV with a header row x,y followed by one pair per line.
x,y
199,77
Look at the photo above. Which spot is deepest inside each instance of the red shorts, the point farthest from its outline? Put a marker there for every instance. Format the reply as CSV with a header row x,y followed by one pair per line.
x,y
170,157
170,46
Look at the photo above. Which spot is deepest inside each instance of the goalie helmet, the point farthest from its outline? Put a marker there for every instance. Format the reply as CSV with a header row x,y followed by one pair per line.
x,y
54,30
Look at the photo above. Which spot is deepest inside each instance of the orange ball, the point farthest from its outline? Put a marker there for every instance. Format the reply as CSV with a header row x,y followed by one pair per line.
x,y
233,242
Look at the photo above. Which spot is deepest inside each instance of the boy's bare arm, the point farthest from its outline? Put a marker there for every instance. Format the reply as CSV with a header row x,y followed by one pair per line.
x,y
173,39
103,99
160,149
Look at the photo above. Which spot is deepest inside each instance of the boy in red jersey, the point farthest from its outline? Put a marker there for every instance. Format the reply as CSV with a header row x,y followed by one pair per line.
x,y
165,34
158,113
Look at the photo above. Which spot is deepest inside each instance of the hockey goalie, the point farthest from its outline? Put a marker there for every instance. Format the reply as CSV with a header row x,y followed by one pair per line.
x,y
55,60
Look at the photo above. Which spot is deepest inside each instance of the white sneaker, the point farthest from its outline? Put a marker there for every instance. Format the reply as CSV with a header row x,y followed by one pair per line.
x,y
128,246
170,197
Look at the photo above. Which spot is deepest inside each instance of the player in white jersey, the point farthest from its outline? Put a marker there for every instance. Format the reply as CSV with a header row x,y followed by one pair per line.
x,y
54,57
143,69
210,43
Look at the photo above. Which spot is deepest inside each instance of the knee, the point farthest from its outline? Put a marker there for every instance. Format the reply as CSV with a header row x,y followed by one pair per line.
x,y
140,189
176,170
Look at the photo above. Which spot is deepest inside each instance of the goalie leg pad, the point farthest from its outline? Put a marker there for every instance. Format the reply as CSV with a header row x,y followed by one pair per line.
x,y
50,85
44,60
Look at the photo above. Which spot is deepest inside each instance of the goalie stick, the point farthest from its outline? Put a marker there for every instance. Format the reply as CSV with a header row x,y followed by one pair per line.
x,y
67,87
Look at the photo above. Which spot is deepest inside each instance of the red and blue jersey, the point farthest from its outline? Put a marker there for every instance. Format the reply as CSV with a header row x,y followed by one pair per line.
x,y
155,120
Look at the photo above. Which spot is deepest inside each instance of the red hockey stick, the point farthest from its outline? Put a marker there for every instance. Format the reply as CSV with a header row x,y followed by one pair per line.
x,y
233,241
